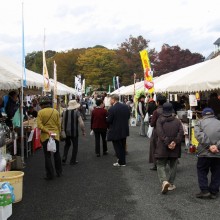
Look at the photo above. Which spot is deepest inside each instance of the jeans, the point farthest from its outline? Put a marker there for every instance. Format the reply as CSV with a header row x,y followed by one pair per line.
x,y
68,141
48,162
98,133
161,169
204,165
119,147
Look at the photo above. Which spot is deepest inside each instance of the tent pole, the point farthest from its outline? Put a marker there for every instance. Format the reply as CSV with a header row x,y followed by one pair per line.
x,y
22,125
22,88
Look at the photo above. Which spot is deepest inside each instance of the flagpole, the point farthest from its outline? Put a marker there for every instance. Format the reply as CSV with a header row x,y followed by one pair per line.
x,y
23,83
55,86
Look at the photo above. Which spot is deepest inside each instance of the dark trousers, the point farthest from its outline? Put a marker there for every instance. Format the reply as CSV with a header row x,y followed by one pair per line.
x,y
119,147
48,161
68,141
98,133
204,165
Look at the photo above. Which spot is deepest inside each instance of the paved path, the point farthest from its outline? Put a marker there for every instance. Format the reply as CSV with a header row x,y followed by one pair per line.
x,y
94,189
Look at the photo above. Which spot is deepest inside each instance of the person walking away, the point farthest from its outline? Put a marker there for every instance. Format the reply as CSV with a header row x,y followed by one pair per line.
x,y
170,133
153,139
208,135
118,122
214,104
99,126
70,124
142,112
107,101
48,121
151,107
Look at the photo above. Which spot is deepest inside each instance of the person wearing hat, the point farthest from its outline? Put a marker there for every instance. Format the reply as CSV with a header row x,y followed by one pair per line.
x,y
71,121
48,121
170,133
153,121
207,132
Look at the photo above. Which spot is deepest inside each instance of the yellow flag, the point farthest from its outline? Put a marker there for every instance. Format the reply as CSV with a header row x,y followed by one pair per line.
x,y
145,59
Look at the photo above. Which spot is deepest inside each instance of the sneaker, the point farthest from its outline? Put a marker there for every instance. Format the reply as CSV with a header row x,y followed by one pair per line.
x,y
98,155
203,195
213,196
119,165
165,187
105,153
154,168
171,187
73,163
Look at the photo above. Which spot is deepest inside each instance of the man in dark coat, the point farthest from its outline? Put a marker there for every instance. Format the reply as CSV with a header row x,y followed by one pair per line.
x,y
153,140
170,132
118,120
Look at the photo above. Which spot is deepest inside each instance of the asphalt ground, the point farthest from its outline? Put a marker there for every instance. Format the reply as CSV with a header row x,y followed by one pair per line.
x,y
94,189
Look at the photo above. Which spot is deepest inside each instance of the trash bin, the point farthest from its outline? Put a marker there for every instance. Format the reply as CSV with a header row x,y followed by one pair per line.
x,y
15,178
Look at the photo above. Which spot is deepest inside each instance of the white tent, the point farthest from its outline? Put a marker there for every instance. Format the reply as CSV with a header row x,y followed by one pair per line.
x,y
118,91
11,71
129,90
163,83
63,89
11,76
204,78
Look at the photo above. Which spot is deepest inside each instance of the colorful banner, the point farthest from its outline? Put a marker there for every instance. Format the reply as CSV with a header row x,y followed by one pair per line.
x,y
145,59
47,87
148,74
55,86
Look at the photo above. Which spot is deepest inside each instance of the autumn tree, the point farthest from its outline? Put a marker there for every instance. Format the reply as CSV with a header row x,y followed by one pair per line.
x,y
128,55
98,66
172,58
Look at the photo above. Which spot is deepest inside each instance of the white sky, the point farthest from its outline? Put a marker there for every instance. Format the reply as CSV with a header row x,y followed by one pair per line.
x,y
191,24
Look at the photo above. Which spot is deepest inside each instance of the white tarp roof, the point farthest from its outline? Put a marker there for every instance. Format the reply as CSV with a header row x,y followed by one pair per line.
x,y
11,76
10,69
118,91
204,78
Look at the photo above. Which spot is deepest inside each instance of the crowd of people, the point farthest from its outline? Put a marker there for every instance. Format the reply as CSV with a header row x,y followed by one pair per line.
x,y
110,122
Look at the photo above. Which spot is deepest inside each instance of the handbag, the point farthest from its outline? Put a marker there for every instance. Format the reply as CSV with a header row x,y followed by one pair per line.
x,y
150,131
146,118
51,145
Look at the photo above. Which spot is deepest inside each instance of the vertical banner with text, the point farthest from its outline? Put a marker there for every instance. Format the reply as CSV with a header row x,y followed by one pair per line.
x,y
78,85
148,74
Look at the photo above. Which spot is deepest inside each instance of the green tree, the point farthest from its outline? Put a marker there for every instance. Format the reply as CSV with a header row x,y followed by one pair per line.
x,y
98,66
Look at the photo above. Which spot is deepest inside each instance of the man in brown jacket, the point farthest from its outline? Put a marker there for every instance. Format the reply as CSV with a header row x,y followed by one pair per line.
x,y
170,133
153,140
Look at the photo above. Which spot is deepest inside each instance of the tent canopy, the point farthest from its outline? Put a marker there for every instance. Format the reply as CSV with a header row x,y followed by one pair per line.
x,y
11,76
204,78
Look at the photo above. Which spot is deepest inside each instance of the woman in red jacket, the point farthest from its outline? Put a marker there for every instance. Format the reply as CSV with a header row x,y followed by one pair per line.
x,y
99,126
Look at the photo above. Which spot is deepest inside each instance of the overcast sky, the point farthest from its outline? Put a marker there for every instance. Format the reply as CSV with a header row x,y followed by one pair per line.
x,y
191,24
